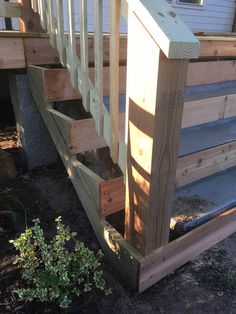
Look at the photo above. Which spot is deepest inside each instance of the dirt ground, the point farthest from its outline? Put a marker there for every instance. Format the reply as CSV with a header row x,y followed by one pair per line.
x,y
204,285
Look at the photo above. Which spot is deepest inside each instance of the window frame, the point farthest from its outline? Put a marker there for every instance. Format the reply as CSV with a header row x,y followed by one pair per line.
x,y
195,6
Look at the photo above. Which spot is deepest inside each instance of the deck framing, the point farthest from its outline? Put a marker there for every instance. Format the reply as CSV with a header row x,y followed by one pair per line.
x,y
101,198
139,271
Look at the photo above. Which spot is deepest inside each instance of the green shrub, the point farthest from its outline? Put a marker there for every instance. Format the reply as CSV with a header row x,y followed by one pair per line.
x,y
51,271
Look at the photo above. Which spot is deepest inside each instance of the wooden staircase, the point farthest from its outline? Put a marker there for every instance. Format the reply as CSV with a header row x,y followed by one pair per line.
x,y
133,89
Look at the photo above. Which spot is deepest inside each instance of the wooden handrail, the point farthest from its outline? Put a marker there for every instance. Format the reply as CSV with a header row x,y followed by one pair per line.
x,y
173,37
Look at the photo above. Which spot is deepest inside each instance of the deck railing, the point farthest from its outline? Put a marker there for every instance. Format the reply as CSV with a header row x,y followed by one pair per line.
x,y
159,47
51,14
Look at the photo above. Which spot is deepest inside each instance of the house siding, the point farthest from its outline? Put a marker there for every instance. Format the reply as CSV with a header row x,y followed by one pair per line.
x,y
214,16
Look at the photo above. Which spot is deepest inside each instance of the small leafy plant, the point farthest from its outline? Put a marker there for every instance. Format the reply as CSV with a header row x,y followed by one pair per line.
x,y
51,271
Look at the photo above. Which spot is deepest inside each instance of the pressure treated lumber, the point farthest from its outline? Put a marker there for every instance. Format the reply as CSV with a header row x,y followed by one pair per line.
x,y
84,136
167,259
172,36
205,110
205,163
217,46
115,7
209,72
12,53
58,86
29,20
155,104
123,256
39,50
189,169
112,196
61,89
79,135
98,61
10,9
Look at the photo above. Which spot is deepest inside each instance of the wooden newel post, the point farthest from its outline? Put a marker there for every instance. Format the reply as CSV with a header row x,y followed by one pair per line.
x,y
155,96
29,21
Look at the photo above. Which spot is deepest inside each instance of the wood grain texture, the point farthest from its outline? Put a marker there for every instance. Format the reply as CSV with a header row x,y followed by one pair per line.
x,y
112,194
115,7
98,61
84,53
40,51
203,111
217,47
60,36
58,85
210,72
174,38
189,169
83,136
167,259
12,53
205,163
10,9
155,101
123,256
29,21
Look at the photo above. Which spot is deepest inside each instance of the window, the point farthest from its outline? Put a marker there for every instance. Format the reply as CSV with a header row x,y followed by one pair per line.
x,y
199,2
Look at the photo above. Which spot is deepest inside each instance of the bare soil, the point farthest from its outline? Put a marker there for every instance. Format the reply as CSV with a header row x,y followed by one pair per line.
x,y
205,285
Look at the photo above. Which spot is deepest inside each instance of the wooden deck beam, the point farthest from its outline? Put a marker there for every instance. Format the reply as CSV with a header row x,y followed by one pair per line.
x,y
38,51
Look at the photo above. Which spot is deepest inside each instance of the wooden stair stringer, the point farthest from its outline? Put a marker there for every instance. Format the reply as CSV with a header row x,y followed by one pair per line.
x,y
86,183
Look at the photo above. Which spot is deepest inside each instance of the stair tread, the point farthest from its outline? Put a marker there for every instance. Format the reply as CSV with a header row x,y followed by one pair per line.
x,y
209,91
217,190
203,137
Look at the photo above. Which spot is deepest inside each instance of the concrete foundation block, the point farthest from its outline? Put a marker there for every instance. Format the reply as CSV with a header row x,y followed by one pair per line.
x,y
37,148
